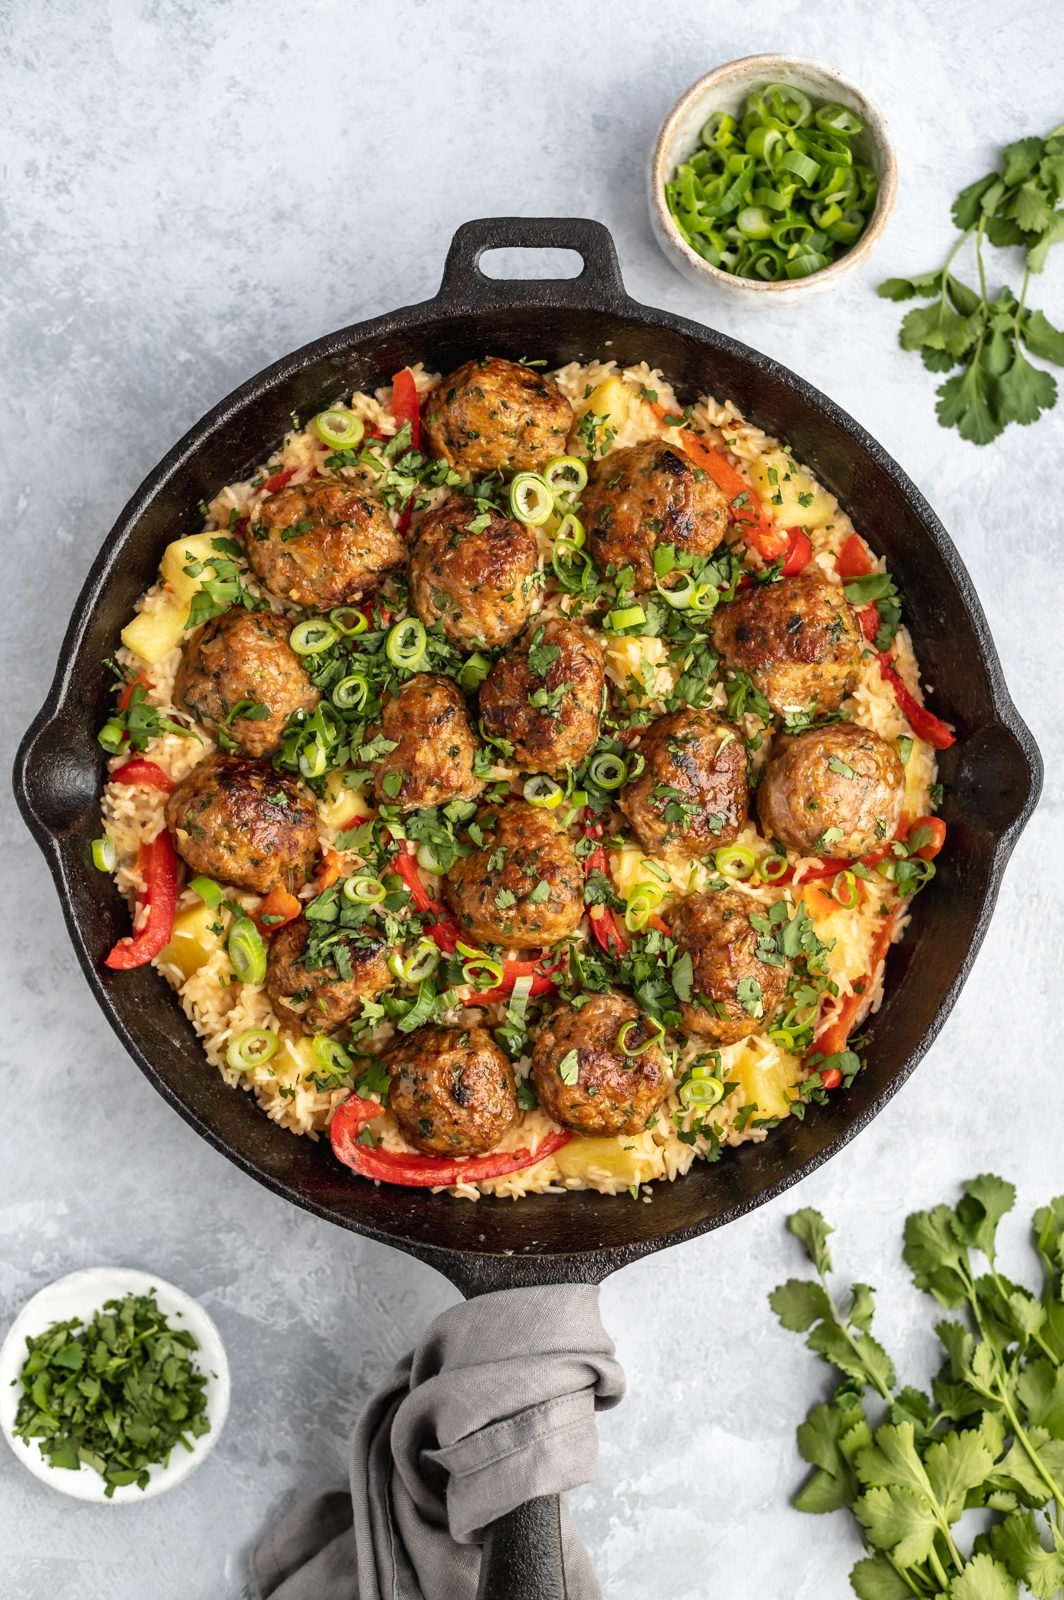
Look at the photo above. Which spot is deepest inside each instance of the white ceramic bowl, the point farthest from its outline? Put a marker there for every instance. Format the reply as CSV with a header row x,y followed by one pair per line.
x,y
725,89
80,1295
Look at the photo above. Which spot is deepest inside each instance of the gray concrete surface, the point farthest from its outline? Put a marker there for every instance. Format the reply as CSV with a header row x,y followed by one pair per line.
x,y
190,190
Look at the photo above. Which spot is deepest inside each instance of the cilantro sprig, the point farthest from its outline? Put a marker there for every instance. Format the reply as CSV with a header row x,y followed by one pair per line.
x,y
1018,206
991,1433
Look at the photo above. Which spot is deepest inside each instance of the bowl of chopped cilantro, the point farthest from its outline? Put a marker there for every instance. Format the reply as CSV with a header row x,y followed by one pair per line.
x,y
114,1385
772,178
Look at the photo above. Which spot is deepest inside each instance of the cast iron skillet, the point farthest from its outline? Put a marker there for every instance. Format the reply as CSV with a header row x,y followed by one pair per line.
x,y
992,777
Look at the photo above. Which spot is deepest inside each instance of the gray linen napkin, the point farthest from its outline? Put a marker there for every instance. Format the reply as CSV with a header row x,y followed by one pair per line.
x,y
495,1406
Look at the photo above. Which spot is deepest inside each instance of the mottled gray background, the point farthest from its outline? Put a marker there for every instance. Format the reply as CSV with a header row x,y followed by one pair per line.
x,y
189,190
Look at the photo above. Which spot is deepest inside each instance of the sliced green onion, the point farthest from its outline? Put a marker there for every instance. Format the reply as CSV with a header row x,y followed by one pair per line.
x,y
317,633
705,598
719,131
428,861
565,475
209,892
247,951
787,103
700,1093
418,965
351,693
643,901
531,499
839,119
846,229
844,888
754,222
331,1056
627,617
364,891
104,854
803,167
405,644
681,596
112,737
656,1036
803,266
608,771
543,791
572,581
339,428
477,964
349,620
734,861
313,759
770,869
518,1003
251,1049
571,530
656,871
473,672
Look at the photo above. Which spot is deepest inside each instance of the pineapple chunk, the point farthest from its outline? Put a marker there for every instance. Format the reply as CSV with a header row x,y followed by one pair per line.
x,y
153,634
295,1060
340,807
791,496
594,1160
181,554
764,1078
611,403
193,940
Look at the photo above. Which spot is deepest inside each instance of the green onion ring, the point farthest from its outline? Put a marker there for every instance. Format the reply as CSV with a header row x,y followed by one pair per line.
x,y
363,891
608,771
313,759
531,499
478,963
770,869
312,635
247,952
643,901
405,644
681,596
339,428
331,1056
839,119
565,476
638,1049
351,693
339,616
572,582
734,861
700,1094
543,791
571,531
718,131
418,965
104,854
251,1049
844,888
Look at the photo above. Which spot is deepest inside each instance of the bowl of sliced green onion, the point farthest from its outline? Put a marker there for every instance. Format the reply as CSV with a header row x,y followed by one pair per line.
x,y
773,177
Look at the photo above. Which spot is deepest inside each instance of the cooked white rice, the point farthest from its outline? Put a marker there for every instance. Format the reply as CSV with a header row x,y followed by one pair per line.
x,y
220,1008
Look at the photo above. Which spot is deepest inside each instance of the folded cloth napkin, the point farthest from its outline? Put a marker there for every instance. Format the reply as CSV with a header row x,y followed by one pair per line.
x,y
494,1407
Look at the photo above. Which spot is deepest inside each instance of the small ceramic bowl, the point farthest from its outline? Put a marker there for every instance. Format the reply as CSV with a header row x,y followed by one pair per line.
x,y
725,89
81,1295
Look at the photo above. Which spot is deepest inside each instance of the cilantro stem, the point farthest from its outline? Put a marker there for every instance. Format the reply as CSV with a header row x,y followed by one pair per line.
x,y
936,1565
840,1323
979,256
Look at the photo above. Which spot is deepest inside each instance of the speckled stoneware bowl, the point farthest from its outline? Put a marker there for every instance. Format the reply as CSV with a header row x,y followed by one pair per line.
x,y
725,89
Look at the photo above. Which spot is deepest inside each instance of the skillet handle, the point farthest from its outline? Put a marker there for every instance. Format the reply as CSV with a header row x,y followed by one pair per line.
x,y
522,1554
466,287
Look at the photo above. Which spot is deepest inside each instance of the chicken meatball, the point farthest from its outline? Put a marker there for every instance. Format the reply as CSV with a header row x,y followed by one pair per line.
x,y
427,719
320,989
798,640
545,696
241,822
524,887
452,1090
733,992
647,495
323,544
611,1091
243,657
692,794
479,583
834,792
493,415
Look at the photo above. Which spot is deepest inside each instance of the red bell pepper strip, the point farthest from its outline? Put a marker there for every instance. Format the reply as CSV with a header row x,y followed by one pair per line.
x,y
925,725
157,864
542,983
279,480
744,506
278,908
604,924
328,869
442,928
143,772
421,1171
799,553
854,560
406,406
127,692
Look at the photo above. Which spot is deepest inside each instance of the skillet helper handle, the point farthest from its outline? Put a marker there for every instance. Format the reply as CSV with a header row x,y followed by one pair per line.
x,y
599,284
522,1554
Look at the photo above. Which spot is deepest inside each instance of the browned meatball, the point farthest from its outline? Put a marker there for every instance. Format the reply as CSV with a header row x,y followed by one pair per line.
x,y
524,888
647,495
244,656
693,793
323,544
491,415
322,989
478,584
241,822
434,745
613,1092
834,791
798,640
452,1090
733,992
545,696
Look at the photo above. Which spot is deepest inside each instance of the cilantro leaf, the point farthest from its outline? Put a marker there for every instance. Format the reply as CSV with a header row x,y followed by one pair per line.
x,y
799,1303
1042,339
986,1200
809,1226
983,1578
875,1578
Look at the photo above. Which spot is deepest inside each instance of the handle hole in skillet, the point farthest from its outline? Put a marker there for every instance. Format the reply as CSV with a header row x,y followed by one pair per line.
x,y
521,263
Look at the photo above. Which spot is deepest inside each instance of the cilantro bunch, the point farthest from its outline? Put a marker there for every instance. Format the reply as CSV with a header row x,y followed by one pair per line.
x,y
1018,206
990,1435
